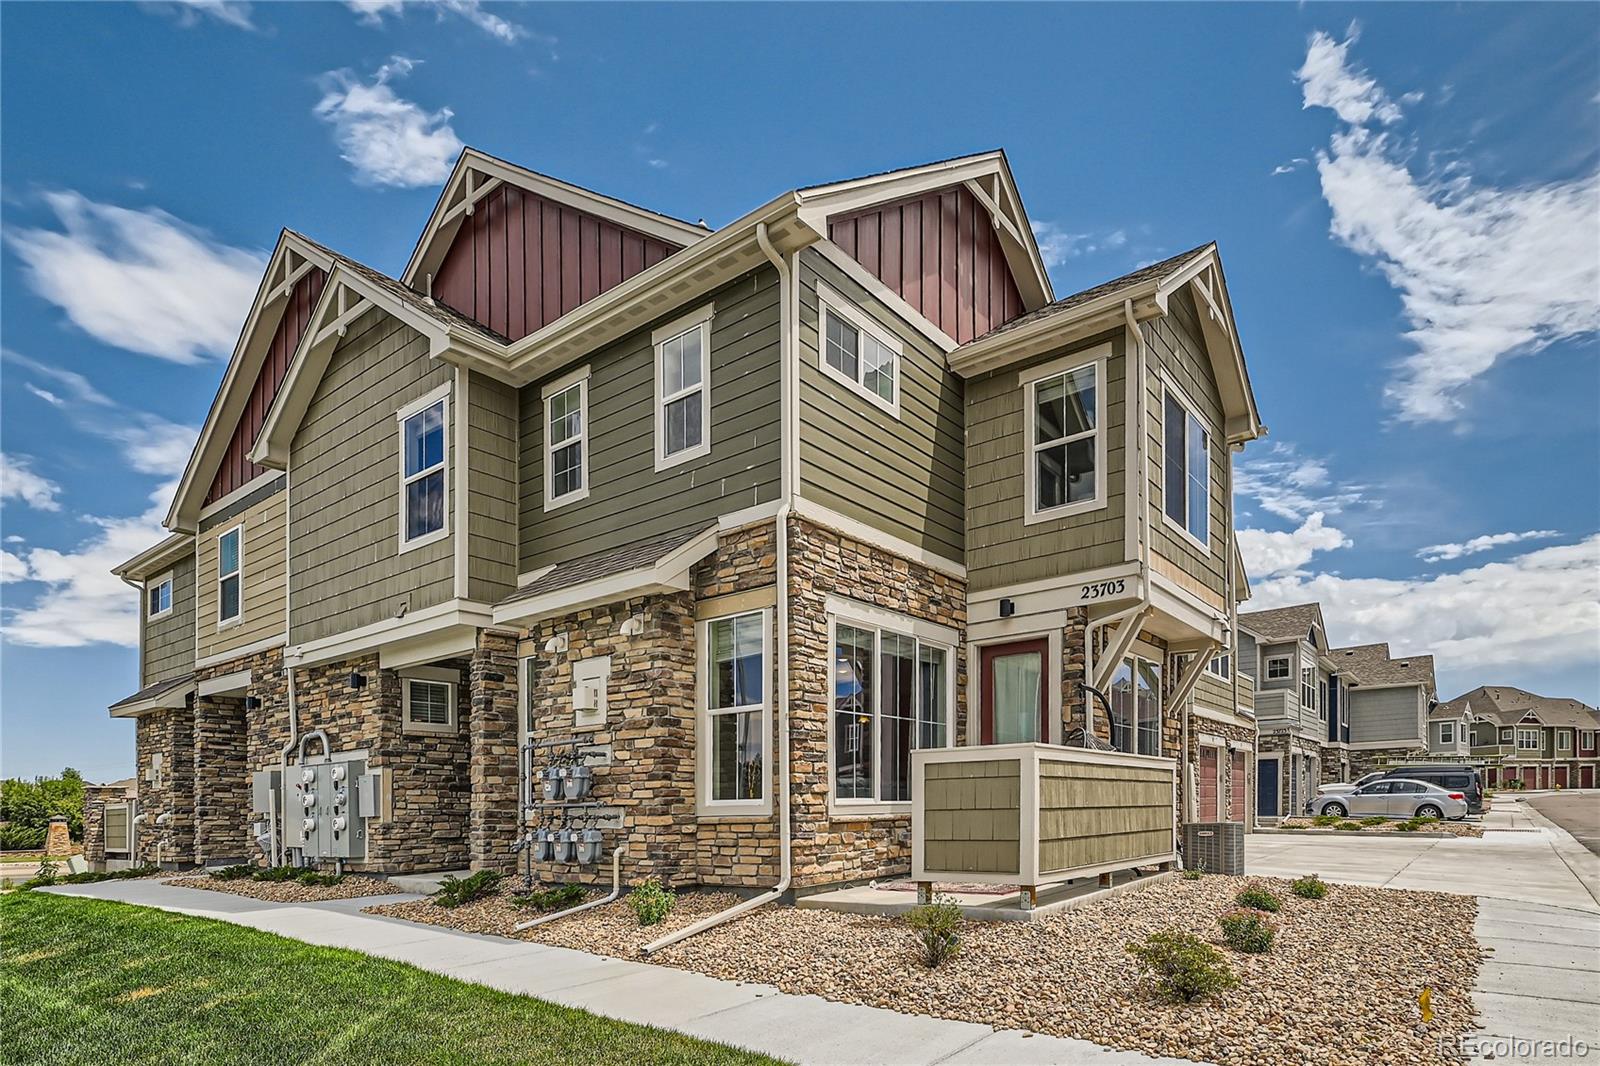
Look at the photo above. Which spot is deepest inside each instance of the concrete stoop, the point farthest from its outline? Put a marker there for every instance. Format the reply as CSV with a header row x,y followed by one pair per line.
x,y
424,884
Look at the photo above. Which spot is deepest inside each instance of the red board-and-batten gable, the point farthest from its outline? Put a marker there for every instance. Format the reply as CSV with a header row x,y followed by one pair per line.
x,y
521,261
236,470
938,252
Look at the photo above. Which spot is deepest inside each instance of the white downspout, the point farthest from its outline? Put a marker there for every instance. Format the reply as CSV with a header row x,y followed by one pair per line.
x,y
788,345
278,849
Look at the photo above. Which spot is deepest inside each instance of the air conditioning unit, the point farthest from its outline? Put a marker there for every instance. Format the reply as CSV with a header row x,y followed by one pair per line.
x,y
1215,847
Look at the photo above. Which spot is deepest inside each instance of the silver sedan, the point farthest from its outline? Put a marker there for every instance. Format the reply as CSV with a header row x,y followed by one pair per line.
x,y
1394,798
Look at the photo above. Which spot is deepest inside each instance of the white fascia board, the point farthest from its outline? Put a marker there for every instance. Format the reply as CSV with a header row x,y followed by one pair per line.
x,y
1099,315
156,558
421,623
172,699
670,573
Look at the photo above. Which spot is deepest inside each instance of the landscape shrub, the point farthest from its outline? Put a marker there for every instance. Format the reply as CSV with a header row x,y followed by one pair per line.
x,y
937,929
21,837
1309,887
276,873
551,899
1181,967
232,873
456,891
88,877
1373,819
1409,826
1425,819
316,880
1247,931
1348,827
1294,825
650,902
1258,898
1194,873
1325,820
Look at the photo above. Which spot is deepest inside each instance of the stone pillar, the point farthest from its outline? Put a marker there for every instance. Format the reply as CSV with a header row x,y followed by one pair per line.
x,y
168,737
57,841
95,798
221,782
492,741
1074,673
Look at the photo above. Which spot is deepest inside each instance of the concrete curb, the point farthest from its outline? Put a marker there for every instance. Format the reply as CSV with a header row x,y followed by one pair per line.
x,y
1363,834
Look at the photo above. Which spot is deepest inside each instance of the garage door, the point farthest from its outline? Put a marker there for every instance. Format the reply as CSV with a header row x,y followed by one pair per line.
x,y
1240,786
1585,777
1560,779
1530,777
1208,784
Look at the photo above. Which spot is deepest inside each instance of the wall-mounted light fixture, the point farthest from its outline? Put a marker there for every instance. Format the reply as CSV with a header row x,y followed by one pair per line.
x,y
632,627
1008,607
494,677
358,681
556,644
252,703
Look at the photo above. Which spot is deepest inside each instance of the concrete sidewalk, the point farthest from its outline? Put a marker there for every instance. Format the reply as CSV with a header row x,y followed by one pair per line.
x,y
804,1029
1539,981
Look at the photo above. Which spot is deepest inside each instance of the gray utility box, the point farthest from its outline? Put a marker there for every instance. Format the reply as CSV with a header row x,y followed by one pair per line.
x,y
321,809
1215,847
264,786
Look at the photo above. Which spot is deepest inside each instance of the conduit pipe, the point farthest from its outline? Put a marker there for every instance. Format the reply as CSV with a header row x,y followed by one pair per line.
x,y
789,334
616,891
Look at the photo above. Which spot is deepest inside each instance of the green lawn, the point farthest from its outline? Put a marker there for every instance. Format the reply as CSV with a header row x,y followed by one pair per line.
x,y
86,981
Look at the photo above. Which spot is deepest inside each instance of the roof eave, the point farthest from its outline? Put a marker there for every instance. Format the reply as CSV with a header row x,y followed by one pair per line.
x,y
155,558
1086,320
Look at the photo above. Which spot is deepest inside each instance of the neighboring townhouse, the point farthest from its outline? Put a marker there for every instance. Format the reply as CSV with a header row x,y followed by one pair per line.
x,y
1537,741
783,532
1389,702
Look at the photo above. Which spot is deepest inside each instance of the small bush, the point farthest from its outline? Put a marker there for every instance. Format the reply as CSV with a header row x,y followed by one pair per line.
x,y
1408,826
233,873
1257,898
88,877
21,837
316,880
1247,931
1182,967
551,899
276,873
1373,819
1294,825
1194,873
937,928
1309,887
650,902
455,891
1325,820
1348,827
1425,819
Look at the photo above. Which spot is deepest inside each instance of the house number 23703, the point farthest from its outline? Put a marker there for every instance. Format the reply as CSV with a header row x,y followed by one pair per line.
x,y
1101,589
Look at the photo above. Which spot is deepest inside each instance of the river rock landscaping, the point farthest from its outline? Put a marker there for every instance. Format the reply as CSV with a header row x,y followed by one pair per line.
x,y
1455,829
351,886
1339,985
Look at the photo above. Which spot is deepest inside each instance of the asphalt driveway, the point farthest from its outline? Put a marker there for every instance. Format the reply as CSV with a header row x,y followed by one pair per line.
x,y
1576,812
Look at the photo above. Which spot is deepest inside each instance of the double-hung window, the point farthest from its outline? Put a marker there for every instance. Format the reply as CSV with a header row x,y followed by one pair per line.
x,y
1308,686
428,697
230,576
737,662
1447,732
1136,707
1322,700
683,389
859,352
1528,740
158,597
892,691
424,450
1065,449
1186,469
1563,740
566,439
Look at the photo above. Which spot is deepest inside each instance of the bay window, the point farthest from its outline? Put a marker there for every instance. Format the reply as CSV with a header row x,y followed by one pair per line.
x,y
892,692
1186,469
734,676
1136,707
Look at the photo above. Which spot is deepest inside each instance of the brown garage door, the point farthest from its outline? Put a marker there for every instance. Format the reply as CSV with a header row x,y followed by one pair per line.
x,y
1560,780
1208,784
1241,787
1530,777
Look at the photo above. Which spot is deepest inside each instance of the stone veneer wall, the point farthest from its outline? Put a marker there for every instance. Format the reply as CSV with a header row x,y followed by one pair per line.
x,y
95,798
221,782
1281,746
829,848
492,745
1234,733
170,734
1366,760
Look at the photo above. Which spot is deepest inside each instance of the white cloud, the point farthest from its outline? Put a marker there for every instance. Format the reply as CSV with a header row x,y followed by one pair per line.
x,y
192,12
372,12
140,280
1483,272
1291,166
1541,608
1274,553
1057,244
72,382
19,482
387,139
1435,553
1293,486
79,601
44,394
13,568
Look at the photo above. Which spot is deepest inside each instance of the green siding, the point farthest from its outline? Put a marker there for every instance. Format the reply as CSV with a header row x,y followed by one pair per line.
x,y
345,566
1175,346
903,475
491,489
166,645
628,500
1091,815
1002,549
972,815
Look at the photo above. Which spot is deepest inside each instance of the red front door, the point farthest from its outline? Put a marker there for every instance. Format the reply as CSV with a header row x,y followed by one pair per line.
x,y
1014,707
1208,783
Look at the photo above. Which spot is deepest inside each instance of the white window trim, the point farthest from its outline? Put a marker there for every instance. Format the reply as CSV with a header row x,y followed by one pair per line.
x,y
701,320
1447,732
1224,673
1563,740
1029,380
1288,668
155,583
580,376
1167,386
876,619
434,675
1586,740
415,407
829,301
706,806
229,623
1537,745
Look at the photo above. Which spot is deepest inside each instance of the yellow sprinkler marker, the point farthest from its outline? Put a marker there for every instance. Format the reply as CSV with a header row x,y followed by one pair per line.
x,y
1425,1001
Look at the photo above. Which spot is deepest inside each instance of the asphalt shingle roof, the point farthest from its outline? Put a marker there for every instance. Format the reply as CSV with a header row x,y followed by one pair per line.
x,y
1371,664
1283,623
634,556
152,691
1507,705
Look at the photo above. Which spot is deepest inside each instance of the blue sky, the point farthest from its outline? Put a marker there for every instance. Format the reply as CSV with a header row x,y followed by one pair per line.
x,y
1407,210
